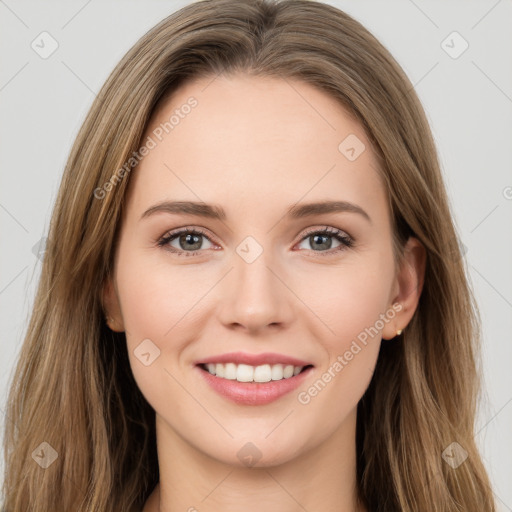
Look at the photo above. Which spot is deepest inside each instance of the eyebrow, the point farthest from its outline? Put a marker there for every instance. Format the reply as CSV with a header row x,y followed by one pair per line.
x,y
212,211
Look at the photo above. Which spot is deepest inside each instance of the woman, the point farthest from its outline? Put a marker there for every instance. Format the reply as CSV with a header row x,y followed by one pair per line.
x,y
197,341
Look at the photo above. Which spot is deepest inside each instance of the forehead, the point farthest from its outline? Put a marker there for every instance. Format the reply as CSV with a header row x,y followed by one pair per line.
x,y
254,142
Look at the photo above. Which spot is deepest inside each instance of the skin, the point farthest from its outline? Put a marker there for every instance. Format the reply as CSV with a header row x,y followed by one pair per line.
x,y
255,146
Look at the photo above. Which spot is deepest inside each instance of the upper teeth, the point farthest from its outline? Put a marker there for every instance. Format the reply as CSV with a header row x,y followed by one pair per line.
x,y
247,373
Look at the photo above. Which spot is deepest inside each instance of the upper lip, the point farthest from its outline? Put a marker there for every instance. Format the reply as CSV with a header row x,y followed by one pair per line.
x,y
254,359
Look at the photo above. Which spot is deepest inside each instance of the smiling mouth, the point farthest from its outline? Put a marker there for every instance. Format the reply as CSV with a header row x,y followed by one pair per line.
x,y
253,374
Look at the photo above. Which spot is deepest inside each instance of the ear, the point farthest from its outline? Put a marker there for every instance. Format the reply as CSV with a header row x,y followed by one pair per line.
x,y
407,287
111,306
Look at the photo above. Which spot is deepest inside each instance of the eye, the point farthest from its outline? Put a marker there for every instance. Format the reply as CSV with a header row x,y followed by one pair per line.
x,y
322,239
189,241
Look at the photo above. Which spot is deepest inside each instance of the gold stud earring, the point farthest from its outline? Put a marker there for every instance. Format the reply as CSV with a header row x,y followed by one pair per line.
x,y
398,332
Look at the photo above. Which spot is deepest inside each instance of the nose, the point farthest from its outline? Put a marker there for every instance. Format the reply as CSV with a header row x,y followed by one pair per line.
x,y
256,296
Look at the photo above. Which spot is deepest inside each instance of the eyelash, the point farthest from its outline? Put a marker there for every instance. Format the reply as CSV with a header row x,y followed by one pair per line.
x,y
345,240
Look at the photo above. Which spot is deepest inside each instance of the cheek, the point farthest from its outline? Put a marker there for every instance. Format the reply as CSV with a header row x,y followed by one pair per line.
x,y
351,298
154,304
353,302
353,309
160,302
156,296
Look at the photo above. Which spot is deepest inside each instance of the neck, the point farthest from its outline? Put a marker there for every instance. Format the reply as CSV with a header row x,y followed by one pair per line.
x,y
320,478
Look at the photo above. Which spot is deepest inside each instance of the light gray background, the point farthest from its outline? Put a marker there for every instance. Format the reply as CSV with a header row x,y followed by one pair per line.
x,y
468,101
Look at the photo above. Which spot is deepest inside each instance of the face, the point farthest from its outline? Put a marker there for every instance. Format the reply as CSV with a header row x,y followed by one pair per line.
x,y
314,290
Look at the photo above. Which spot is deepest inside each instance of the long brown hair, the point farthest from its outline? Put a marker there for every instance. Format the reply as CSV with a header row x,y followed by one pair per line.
x,y
73,388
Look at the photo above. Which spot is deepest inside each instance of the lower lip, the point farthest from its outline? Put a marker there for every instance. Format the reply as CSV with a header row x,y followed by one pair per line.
x,y
253,393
